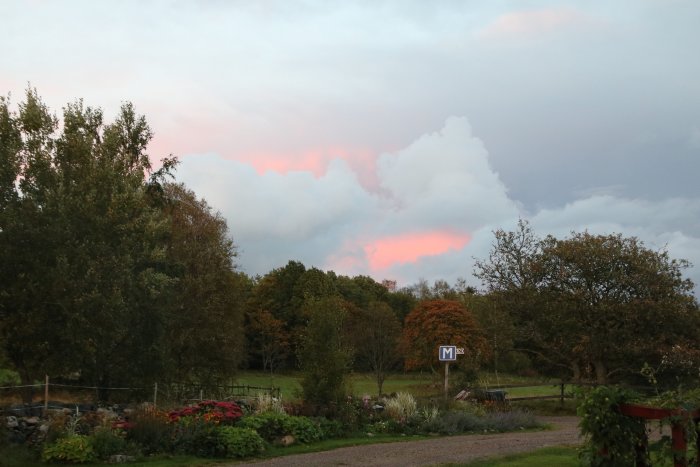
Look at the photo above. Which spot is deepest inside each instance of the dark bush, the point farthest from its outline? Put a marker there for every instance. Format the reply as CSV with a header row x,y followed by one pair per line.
x,y
271,426
152,433
241,442
198,438
105,442
330,428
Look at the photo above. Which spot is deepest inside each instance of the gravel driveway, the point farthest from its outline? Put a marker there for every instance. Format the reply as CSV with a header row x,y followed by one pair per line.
x,y
437,451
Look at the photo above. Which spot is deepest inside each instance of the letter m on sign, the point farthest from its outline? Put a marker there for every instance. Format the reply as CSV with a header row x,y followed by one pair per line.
x,y
447,353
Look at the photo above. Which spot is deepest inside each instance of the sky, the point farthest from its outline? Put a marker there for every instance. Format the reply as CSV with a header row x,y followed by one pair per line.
x,y
391,138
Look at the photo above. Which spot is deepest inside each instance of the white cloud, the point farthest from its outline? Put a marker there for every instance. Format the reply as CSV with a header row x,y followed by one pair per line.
x,y
442,181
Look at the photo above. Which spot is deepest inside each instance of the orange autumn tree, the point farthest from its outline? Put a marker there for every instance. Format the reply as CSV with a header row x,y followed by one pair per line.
x,y
433,323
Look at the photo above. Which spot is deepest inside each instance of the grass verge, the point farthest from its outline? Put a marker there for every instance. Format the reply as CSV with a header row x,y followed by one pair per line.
x,y
560,456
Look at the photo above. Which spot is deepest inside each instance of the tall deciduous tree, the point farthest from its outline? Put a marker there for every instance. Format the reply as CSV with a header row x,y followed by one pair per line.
x,y
204,326
441,322
269,340
374,332
604,302
325,354
83,261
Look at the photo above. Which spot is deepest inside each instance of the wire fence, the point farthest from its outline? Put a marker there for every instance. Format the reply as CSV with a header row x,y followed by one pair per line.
x,y
83,398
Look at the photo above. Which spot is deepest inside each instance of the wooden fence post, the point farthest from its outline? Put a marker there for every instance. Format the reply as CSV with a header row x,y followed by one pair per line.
x,y
562,394
46,395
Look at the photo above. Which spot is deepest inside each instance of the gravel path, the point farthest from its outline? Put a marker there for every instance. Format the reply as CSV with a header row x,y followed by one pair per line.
x,y
436,451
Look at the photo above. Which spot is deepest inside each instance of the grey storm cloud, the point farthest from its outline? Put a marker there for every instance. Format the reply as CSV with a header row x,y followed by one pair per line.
x,y
581,115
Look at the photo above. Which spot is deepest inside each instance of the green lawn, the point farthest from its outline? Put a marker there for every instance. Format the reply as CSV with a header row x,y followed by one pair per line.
x,y
420,385
555,456
360,383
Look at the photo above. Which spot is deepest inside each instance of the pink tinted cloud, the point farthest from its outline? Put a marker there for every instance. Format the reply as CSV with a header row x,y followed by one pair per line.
x,y
361,161
409,247
532,23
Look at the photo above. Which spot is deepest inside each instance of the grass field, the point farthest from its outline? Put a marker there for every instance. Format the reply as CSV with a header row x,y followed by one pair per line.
x,y
555,456
420,385
360,383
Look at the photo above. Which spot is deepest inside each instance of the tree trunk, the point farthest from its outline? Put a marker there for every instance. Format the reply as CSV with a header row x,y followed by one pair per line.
x,y
601,372
576,369
380,382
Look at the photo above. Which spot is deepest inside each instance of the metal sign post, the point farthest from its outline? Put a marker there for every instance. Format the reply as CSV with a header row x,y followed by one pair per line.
x,y
447,354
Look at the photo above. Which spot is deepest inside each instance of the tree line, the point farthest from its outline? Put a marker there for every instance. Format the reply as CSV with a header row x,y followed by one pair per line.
x,y
113,274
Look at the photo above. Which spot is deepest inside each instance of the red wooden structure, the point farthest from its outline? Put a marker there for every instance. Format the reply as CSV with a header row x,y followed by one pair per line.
x,y
679,421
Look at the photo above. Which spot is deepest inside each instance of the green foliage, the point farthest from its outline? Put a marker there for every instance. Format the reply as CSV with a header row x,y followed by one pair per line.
x,y
325,356
207,306
106,442
75,449
303,429
198,438
329,428
611,438
269,425
107,272
241,442
272,426
600,302
374,332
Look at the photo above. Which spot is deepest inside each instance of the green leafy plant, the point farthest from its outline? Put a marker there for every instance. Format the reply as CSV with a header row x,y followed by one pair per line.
x,y
241,442
198,438
272,426
75,449
107,442
269,425
611,437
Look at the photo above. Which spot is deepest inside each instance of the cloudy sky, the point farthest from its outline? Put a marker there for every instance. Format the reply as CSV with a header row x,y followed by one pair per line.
x,y
391,138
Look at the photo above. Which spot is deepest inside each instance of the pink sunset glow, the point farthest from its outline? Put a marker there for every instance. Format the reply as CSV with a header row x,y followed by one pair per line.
x,y
362,161
531,23
408,248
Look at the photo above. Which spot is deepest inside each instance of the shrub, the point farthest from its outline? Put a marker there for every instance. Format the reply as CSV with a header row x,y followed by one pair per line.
x,y
303,429
451,423
269,425
274,425
74,449
151,432
510,421
401,408
198,438
454,422
241,442
217,412
330,428
610,437
105,442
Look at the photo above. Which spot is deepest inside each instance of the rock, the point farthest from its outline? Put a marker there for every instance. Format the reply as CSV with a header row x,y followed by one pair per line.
x,y
287,440
32,421
121,459
12,422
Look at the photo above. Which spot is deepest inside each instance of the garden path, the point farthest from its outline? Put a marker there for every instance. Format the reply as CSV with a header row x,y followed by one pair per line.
x,y
463,448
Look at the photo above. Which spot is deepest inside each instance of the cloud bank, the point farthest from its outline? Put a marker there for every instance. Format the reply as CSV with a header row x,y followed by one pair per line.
x,y
432,211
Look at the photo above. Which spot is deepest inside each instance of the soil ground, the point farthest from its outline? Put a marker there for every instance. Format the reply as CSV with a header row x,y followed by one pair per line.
x,y
437,451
